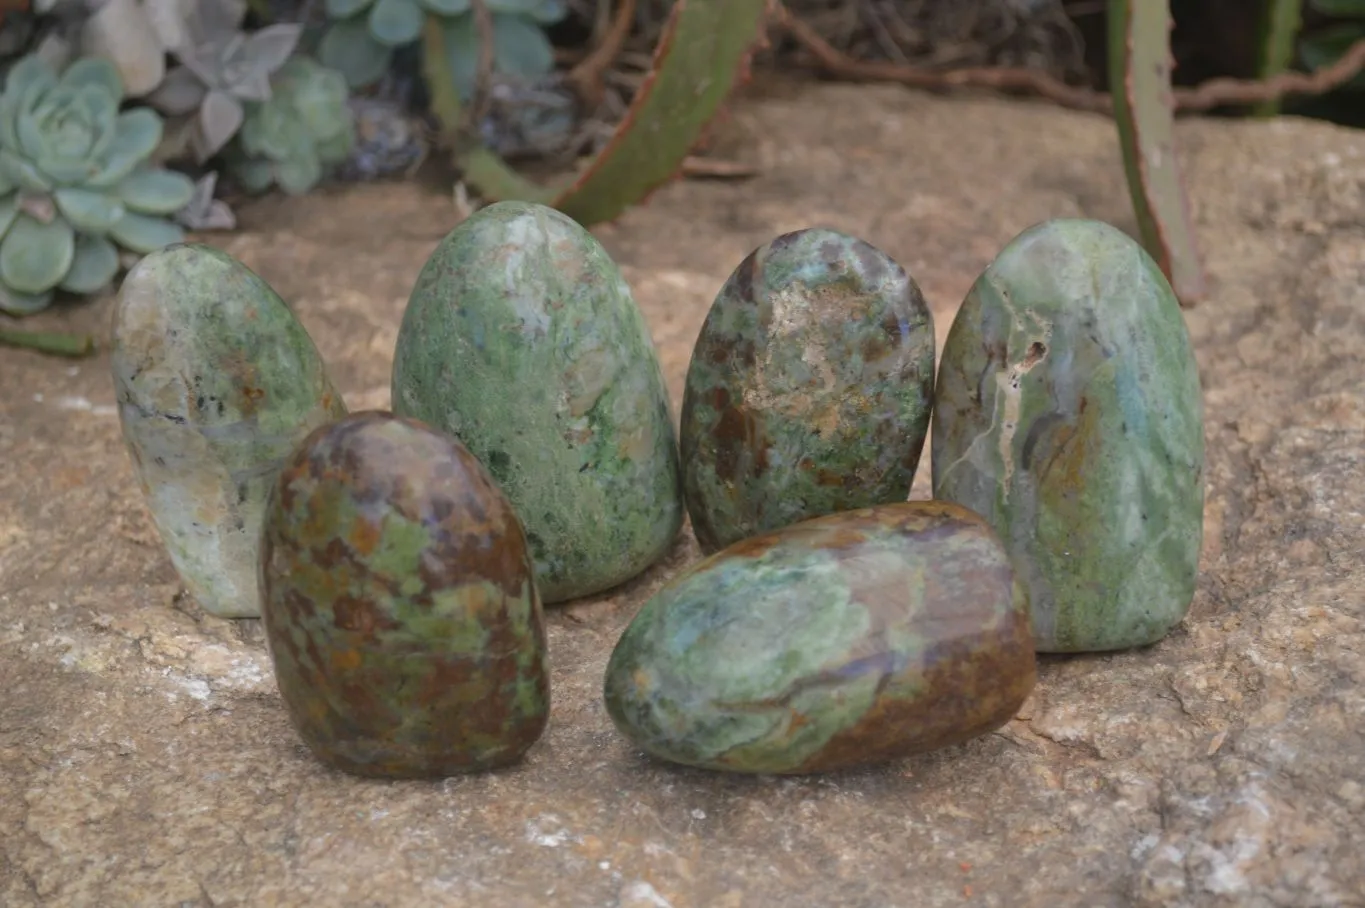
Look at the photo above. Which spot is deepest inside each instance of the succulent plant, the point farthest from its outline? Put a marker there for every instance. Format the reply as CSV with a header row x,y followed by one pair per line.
x,y
75,183
364,34
296,137
220,69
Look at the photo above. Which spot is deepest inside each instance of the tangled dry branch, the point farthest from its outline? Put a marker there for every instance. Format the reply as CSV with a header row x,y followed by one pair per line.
x,y
1211,94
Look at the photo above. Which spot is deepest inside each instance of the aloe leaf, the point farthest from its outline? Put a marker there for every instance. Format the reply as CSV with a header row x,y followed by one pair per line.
x,y
34,257
703,51
141,233
1279,31
1140,73
152,191
87,210
92,268
49,342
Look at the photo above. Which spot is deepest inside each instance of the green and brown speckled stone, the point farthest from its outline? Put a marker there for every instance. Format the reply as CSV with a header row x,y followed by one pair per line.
x,y
405,628
1069,415
848,639
216,383
809,390
521,338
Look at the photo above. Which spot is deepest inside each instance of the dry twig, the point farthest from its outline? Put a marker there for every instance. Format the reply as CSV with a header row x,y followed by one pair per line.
x,y
587,77
483,83
1211,94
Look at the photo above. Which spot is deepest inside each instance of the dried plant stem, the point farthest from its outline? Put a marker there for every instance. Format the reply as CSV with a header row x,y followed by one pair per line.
x,y
1211,94
587,77
483,82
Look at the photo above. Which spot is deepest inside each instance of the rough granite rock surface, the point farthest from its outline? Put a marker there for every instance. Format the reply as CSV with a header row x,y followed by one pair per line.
x,y
146,759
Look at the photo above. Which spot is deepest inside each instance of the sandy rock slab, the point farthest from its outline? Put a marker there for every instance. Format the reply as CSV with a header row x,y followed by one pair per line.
x,y
145,756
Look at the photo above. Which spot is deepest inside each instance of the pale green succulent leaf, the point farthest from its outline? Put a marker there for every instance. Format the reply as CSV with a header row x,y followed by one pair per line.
x,y
87,210
137,133
298,175
268,49
180,93
145,234
336,148
218,120
550,11
23,174
151,191
17,304
68,133
447,7
93,267
29,73
344,9
9,210
349,49
35,257
94,71
254,176
520,48
515,7
394,23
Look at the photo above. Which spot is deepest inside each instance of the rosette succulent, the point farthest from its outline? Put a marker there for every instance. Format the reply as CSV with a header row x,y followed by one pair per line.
x,y
75,184
220,68
364,34
296,137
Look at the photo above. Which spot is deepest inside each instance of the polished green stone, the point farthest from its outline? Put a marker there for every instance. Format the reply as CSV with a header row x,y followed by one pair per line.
x,y
848,639
809,390
216,382
404,625
1069,415
521,338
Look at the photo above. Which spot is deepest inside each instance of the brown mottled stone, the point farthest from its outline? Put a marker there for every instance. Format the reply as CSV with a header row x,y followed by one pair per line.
x,y
399,605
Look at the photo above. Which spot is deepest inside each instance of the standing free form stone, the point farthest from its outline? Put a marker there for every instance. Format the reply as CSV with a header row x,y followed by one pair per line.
x,y
810,388
399,606
216,382
1069,415
847,639
521,339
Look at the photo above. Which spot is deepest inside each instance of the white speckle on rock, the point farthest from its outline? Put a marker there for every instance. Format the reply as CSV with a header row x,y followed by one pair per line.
x,y
639,894
698,813
548,831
